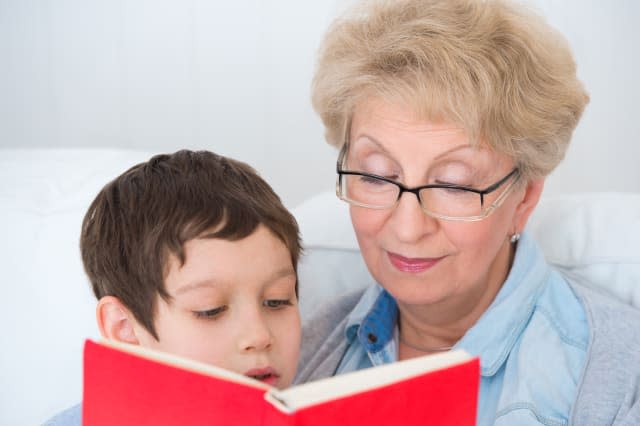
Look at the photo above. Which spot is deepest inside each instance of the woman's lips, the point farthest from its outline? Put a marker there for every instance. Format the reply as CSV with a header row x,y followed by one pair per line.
x,y
413,265
266,375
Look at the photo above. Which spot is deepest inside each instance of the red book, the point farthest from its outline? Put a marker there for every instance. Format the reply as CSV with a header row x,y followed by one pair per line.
x,y
129,385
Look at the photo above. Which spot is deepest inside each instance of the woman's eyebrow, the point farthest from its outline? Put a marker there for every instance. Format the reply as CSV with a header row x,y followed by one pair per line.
x,y
461,147
373,140
379,145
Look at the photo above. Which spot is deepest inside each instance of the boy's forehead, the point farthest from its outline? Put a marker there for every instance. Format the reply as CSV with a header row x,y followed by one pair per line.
x,y
212,262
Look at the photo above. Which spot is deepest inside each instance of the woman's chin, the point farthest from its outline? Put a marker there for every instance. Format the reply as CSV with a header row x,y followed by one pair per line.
x,y
408,292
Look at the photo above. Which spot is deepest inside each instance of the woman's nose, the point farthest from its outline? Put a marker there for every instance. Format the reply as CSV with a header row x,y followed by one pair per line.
x,y
410,222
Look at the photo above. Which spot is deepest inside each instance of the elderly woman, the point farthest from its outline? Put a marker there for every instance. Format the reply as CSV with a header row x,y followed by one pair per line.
x,y
449,114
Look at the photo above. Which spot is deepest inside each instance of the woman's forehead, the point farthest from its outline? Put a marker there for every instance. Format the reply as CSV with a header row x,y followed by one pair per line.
x,y
404,114
395,130
379,121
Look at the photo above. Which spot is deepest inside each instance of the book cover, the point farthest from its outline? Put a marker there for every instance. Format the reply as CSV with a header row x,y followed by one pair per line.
x,y
129,385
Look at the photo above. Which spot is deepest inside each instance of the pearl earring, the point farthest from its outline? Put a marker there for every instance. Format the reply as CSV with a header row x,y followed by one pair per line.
x,y
514,238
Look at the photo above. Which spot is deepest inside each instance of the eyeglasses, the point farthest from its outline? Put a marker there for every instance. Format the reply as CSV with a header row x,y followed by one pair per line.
x,y
441,201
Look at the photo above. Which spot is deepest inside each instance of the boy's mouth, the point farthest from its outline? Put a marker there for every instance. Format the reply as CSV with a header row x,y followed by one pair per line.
x,y
266,375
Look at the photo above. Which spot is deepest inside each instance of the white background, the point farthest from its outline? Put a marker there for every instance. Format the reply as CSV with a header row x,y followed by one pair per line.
x,y
234,77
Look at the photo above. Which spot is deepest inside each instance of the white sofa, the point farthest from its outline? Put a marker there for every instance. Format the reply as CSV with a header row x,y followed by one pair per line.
x,y
48,308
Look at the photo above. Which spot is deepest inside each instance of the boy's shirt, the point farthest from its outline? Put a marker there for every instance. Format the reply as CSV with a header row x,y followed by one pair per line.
x,y
69,417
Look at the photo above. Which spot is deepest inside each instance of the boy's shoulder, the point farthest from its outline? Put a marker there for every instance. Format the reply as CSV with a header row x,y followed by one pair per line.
x,y
70,417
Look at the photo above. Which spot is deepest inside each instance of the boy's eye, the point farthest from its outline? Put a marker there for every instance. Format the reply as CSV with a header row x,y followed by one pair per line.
x,y
210,313
276,303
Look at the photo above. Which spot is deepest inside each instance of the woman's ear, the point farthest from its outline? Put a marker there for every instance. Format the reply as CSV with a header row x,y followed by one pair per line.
x,y
115,321
530,198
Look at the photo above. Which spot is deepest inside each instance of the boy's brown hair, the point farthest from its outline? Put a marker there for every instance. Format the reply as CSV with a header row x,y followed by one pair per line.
x,y
150,211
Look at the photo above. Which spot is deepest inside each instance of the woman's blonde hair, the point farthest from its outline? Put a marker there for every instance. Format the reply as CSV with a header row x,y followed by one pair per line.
x,y
493,67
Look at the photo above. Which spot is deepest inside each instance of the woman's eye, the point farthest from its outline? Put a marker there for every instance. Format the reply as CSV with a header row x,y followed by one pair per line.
x,y
210,313
370,180
452,180
454,189
276,303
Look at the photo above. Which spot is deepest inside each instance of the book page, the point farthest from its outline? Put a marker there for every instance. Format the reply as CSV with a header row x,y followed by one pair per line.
x,y
184,363
316,392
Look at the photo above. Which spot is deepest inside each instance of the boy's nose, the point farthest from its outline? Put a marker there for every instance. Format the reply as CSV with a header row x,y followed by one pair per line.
x,y
256,335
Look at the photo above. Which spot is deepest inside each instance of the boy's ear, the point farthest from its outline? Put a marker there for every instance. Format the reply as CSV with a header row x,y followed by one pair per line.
x,y
115,321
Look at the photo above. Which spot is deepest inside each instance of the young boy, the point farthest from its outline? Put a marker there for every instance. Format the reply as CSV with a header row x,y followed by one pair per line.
x,y
194,254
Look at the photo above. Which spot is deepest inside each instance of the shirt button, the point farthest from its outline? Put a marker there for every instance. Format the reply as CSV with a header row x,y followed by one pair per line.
x,y
372,338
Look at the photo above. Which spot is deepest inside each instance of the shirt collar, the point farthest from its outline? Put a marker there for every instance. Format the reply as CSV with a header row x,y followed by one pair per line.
x,y
373,320
497,330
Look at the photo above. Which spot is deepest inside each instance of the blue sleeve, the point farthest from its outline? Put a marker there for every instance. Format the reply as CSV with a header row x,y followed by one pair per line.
x,y
69,417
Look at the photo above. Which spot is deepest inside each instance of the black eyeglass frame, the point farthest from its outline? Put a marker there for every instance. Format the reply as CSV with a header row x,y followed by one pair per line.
x,y
416,190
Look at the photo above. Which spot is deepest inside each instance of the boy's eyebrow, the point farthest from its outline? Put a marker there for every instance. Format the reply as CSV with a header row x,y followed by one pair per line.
x,y
284,272
195,286
281,273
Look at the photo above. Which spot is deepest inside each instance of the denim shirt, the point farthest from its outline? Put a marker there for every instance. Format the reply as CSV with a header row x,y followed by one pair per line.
x,y
532,343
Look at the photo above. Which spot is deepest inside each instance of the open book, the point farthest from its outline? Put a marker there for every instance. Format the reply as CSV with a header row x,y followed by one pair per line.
x,y
129,385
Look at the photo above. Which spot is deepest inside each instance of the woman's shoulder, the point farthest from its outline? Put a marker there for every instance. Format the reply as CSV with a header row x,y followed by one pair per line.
x,y
601,305
323,337
325,317
610,385
613,324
